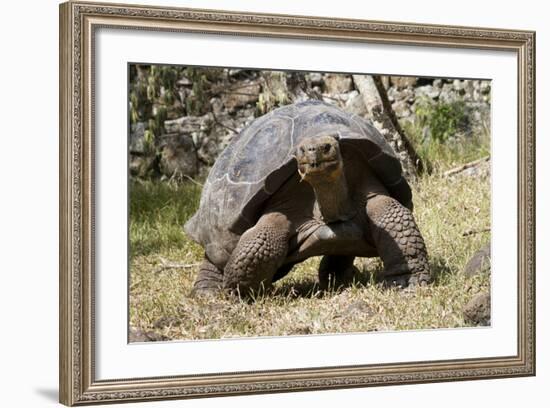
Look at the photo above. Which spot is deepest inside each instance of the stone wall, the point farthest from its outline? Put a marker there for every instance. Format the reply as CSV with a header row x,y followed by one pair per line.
x,y
187,144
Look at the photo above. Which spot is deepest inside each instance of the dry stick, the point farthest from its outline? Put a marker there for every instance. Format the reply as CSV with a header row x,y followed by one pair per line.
x,y
473,232
466,166
172,265
386,104
221,89
237,93
193,180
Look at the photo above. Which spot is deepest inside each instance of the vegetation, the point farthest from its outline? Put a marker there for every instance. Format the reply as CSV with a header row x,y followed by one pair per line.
x,y
453,214
442,119
164,263
438,133
154,95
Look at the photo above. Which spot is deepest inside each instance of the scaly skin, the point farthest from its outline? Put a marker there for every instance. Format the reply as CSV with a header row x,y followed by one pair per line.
x,y
398,241
260,252
209,279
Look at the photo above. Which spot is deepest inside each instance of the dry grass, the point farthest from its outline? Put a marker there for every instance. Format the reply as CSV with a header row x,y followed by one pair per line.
x,y
164,265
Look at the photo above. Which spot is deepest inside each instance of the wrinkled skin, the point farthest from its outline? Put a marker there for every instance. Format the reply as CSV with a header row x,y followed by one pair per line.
x,y
335,207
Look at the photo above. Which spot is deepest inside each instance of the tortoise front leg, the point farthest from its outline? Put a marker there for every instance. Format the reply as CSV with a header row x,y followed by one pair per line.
x,y
261,250
398,241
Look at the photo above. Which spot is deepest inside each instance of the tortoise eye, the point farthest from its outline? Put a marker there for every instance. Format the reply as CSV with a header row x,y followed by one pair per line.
x,y
327,147
302,150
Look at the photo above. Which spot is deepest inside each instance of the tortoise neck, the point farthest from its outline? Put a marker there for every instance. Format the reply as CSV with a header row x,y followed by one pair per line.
x,y
332,199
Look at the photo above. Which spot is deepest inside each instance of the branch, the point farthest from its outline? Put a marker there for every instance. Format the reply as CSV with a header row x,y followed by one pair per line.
x,y
386,104
164,264
473,232
465,166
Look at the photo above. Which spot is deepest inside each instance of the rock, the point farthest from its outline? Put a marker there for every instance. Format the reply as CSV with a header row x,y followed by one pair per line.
x,y
331,101
241,94
480,262
243,118
217,106
136,335
208,150
402,109
478,310
458,85
447,94
301,96
406,95
355,104
428,91
184,81
338,83
137,138
485,87
403,82
140,166
178,156
188,124
469,89
315,78
343,97
235,72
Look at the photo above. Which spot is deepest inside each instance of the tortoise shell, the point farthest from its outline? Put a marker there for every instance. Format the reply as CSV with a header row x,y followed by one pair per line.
x,y
261,158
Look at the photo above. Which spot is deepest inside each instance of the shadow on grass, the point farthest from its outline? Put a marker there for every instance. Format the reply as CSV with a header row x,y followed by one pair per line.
x,y
304,288
309,287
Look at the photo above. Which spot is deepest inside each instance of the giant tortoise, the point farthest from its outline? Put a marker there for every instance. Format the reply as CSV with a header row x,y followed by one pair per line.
x,y
305,180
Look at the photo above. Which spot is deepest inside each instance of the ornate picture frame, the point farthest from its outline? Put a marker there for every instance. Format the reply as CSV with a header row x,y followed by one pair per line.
x,y
79,22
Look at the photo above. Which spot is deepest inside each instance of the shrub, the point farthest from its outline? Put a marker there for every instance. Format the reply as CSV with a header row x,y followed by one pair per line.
x,y
443,120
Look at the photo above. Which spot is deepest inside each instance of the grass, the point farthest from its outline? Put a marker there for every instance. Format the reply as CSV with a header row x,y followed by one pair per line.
x,y
157,214
163,266
439,134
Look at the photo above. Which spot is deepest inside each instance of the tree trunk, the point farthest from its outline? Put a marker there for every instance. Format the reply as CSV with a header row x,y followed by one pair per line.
x,y
376,100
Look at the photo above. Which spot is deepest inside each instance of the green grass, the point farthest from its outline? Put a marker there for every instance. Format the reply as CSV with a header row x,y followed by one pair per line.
x,y
447,146
157,213
163,266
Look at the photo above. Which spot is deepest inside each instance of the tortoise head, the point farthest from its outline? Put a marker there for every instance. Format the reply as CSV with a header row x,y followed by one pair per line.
x,y
319,159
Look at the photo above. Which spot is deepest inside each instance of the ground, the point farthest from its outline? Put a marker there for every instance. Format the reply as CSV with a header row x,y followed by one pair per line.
x,y
453,214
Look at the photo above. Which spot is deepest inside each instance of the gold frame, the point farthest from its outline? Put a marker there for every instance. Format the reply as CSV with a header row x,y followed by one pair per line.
x,y
78,21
